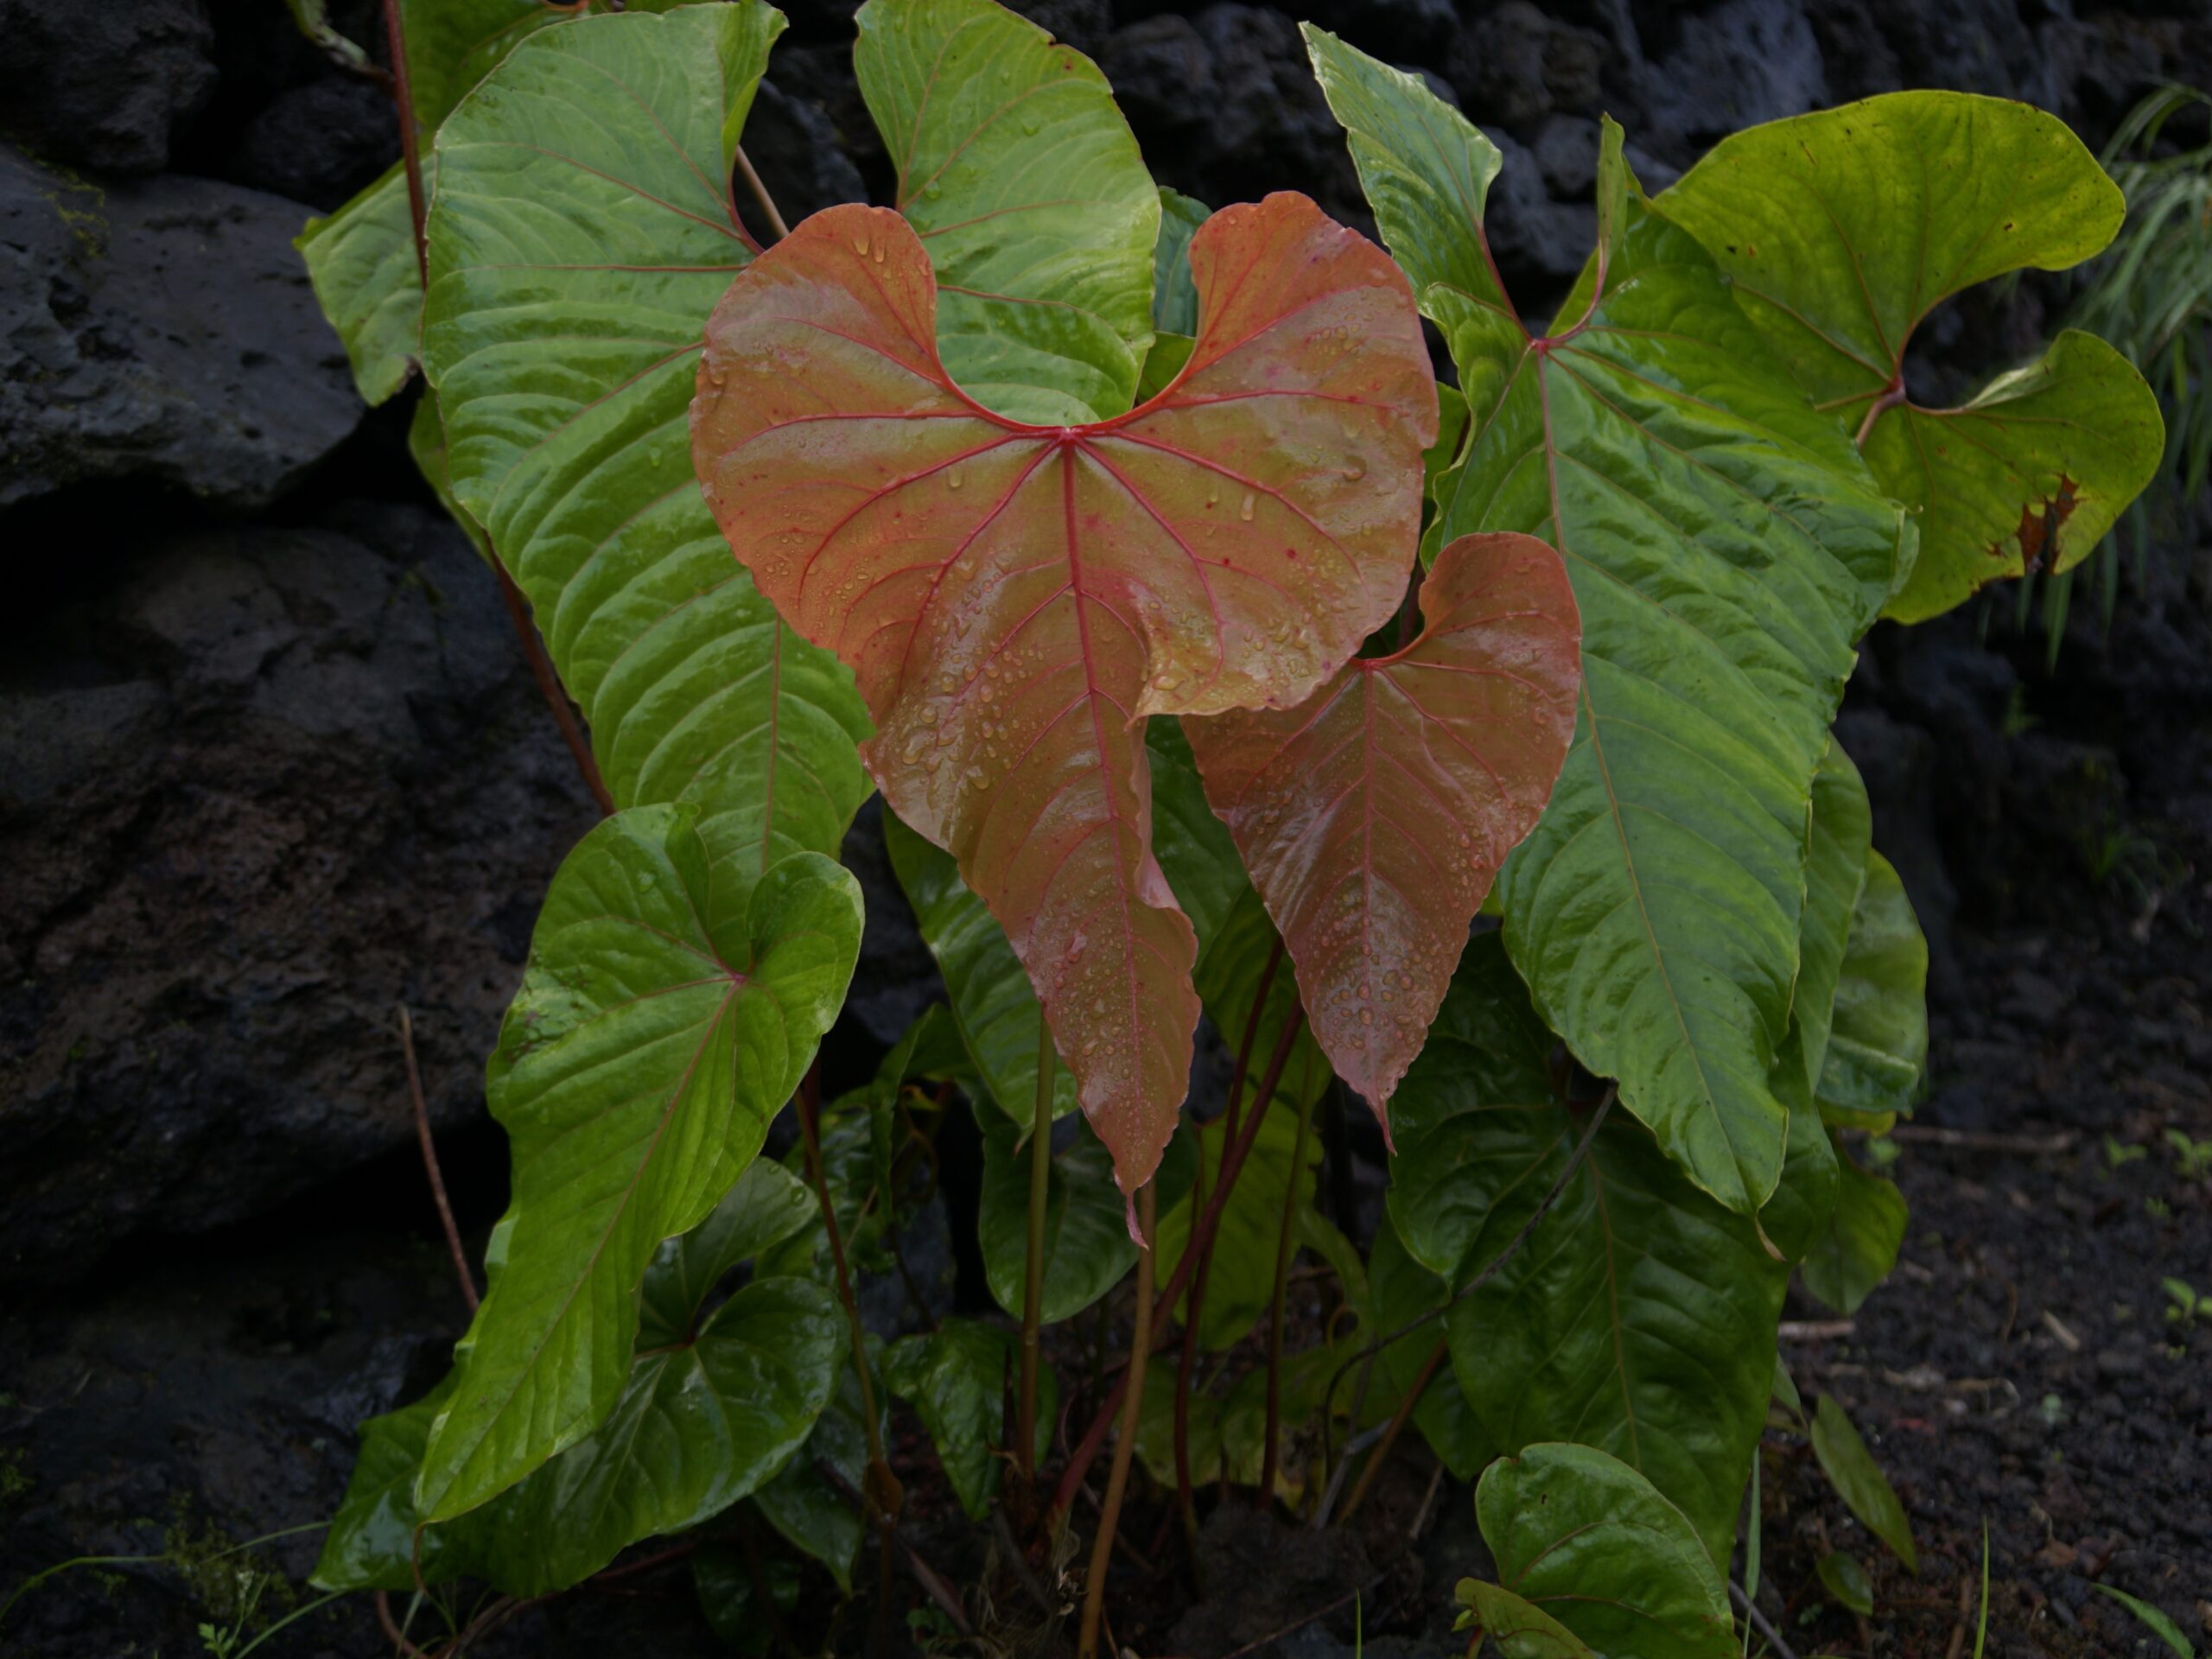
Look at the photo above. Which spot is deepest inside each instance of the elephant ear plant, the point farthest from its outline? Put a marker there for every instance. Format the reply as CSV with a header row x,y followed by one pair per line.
x,y
1209,664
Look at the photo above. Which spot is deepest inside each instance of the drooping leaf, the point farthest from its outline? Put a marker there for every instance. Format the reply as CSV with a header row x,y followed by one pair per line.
x,y
1014,600
1580,1535
1174,295
1726,547
1859,1248
1843,229
1640,1315
766,1206
956,1378
1027,188
1520,1630
2154,1619
1374,817
361,260
1878,1042
582,232
1836,869
1859,1482
802,1505
637,1071
993,1004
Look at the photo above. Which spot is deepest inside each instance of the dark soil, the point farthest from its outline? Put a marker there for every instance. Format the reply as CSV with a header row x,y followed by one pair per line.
x,y
269,762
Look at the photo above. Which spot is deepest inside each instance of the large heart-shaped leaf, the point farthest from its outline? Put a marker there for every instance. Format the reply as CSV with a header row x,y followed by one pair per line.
x,y
1374,817
1016,600
1726,547
1027,188
766,1206
1877,1040
582,232
636,1074
1841,229
1582,1538
1639,1317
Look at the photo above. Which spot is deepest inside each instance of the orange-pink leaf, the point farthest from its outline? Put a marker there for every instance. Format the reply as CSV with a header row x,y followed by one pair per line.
x,y
1374,818
1014,599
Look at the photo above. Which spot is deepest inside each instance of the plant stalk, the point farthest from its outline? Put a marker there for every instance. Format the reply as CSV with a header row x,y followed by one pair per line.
x,y
1202,1234
1398,1421
760,194
431,1162
882,1487
1194,1308
1286,1247
403,95
1032,1283
1109,1513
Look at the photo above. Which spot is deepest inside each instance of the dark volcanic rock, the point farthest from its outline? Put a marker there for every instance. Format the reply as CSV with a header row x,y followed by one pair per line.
x,y
162,330
267,787
103,86
318,143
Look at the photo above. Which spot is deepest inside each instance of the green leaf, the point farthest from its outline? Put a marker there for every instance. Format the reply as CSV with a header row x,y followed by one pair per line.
x,y
1841,836
811,1515
1240,1281
699,1427
314,18
1174,295
1403,1291
1027,188
1877,1043
1859,1248
1865,1490
636,1074
1842,230
1726,547
728,1594
1638,1318
371,1543
1521,1631
1451,436
1087,1249
2154,1620
1192,845
768,1205
581,235
361,260
956,1378
1581,1535
426,443
1847,1581
993,1003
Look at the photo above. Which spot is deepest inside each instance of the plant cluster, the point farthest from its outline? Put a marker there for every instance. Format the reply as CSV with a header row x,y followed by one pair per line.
x,y
1212,660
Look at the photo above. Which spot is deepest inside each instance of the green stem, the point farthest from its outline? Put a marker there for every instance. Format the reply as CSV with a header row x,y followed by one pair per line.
x,y
1032,1283
1117,1482
1286,1247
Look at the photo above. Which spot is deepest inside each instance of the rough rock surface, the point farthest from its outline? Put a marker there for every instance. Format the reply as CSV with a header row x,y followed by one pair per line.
x,y
265,786
106,86
161,331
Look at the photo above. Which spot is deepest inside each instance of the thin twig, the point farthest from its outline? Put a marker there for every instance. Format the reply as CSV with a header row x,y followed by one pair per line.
x,y
1760,1623
400,1644
931,1581
1118,1481
760,194
1984,1140
431,1162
